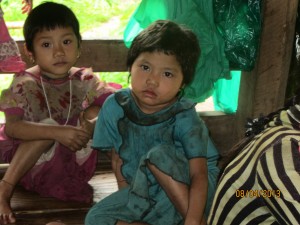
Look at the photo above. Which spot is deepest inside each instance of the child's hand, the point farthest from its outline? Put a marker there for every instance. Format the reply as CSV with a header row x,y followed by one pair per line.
x,y
27,6
72,137
87,125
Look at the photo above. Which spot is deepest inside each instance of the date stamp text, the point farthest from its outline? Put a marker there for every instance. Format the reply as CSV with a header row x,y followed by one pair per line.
x,y
257,193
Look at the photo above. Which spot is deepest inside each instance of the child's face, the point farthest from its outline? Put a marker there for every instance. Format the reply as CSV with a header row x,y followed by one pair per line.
x,y
55,51
156,79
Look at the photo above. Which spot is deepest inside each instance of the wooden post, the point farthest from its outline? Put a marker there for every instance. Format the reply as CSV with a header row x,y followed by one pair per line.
x,y
263,90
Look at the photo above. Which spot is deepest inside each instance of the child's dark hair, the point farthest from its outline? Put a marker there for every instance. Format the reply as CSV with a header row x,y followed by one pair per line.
x,y
172,39
49,15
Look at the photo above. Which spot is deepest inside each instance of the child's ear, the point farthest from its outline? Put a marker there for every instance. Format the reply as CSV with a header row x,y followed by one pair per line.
x,y
29,54
79,53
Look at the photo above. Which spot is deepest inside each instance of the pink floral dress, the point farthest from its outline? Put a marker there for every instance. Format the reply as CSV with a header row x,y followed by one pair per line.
x,y
60,172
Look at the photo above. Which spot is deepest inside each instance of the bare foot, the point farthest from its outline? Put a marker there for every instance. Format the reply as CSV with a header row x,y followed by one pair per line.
x,y
6,214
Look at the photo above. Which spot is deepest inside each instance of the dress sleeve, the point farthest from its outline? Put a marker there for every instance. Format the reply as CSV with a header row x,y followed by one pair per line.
x,y
96,90
278,176
106,135
15,99
193,134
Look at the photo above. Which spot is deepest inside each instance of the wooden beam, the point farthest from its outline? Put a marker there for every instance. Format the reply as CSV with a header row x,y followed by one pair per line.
x,y
101,55
222,130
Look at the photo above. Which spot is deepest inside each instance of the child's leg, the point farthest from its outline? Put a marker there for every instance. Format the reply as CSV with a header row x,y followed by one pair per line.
x,y
177,192
24,159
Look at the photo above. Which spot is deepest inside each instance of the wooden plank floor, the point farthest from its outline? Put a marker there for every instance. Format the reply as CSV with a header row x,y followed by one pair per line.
x,y
32,209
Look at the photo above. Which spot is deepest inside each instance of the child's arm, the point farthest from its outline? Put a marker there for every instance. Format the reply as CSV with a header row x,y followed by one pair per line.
x,y
116,163
88,119
73,137
197,192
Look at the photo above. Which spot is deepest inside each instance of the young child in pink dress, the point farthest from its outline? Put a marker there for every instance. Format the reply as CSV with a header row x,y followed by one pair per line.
x,y
50,111
10,58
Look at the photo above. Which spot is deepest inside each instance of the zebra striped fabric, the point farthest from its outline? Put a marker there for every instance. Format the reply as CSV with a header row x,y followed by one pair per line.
x,y
262,184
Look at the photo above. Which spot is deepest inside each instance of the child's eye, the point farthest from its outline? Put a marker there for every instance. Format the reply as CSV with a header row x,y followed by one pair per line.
x,y
66,42
145,67
46,44
168,74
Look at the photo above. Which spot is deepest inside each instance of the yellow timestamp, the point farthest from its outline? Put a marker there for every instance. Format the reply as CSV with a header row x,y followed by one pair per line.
x,y
257,193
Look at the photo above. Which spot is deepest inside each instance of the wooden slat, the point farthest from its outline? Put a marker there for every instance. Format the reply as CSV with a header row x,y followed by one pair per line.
x,y
24,201
101,55
222,130
14,24
72,217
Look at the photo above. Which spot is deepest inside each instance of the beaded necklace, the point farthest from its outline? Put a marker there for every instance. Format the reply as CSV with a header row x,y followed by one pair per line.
x,y
47,102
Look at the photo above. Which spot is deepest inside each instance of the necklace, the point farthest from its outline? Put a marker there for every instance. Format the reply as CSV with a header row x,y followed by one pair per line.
x,y
47,102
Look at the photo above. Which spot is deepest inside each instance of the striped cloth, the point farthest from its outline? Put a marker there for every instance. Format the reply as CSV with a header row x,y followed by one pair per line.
x,y
262,184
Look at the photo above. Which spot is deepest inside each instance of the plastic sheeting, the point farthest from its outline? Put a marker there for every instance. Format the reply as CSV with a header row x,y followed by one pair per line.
x,y
226,93
239,22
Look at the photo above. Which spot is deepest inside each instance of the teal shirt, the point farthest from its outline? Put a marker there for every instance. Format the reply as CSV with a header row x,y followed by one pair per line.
x,y
132,133
168,139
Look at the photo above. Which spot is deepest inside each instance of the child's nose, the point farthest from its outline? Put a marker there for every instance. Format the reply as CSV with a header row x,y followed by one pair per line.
x,y
59,51
152,79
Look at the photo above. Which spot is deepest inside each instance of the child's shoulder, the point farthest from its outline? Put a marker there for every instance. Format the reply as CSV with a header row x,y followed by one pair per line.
x,y
118,98
111,107
30,74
